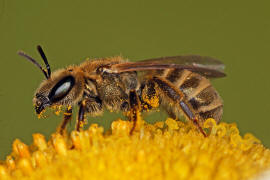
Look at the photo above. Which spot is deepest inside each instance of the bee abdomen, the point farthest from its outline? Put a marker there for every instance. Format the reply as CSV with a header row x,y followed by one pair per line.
x,y
215,113
207,104
202,98
199,93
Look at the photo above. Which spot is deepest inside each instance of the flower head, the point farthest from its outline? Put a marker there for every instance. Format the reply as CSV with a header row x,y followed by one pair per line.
x,y
170,150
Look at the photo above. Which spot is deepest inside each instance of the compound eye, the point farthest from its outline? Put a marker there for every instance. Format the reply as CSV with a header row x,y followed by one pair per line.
x,y
61,89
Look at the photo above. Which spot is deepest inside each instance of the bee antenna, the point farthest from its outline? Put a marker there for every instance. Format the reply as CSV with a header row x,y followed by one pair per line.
x,y
21,53
42,54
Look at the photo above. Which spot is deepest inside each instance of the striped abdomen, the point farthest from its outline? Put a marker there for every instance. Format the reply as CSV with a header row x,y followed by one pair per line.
x,y
200,95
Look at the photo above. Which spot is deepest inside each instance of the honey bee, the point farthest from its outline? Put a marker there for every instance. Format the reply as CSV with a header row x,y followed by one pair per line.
x,y
180,85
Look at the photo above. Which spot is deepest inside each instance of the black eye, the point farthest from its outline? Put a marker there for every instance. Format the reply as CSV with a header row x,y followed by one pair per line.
x,y
61,89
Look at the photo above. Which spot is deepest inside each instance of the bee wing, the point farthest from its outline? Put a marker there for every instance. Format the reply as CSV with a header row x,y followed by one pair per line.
x,y
206,66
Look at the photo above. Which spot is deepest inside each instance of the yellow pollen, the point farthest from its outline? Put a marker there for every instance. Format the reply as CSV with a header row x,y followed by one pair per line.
x,y
153,101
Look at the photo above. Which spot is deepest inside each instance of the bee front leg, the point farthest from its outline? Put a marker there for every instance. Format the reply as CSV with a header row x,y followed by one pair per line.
x,y
134,112
80,120
67,117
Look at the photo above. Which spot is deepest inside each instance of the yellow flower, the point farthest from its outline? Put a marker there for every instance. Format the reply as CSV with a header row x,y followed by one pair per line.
x,y
170,150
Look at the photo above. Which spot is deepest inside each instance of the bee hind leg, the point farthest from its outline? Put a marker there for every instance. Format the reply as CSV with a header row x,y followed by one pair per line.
x,y
178,98
134,112
191,116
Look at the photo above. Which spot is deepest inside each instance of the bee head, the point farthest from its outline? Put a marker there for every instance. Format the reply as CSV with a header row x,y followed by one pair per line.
x,y
63,87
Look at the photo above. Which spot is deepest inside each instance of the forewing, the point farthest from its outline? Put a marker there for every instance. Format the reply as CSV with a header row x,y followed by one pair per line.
x,y
206,66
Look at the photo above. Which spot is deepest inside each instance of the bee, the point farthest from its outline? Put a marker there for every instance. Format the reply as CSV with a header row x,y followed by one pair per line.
x,y
180,85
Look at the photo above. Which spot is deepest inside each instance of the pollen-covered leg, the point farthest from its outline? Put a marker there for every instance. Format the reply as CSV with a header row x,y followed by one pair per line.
x,y
176,98
81,117
148,96
67,117
134,113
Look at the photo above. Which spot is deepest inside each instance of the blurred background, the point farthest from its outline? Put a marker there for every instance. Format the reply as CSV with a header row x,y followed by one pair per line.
x,y
236,32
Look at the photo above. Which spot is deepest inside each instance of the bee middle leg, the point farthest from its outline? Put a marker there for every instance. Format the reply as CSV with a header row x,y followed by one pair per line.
x,y
81,117
134,112
91,106
178,98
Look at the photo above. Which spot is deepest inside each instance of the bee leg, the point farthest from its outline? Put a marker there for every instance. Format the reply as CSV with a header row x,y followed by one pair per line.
x,y
177,96
134,112
80,120
191,116
67,118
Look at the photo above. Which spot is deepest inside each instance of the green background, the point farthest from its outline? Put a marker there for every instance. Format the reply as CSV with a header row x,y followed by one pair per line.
x,y
236,32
